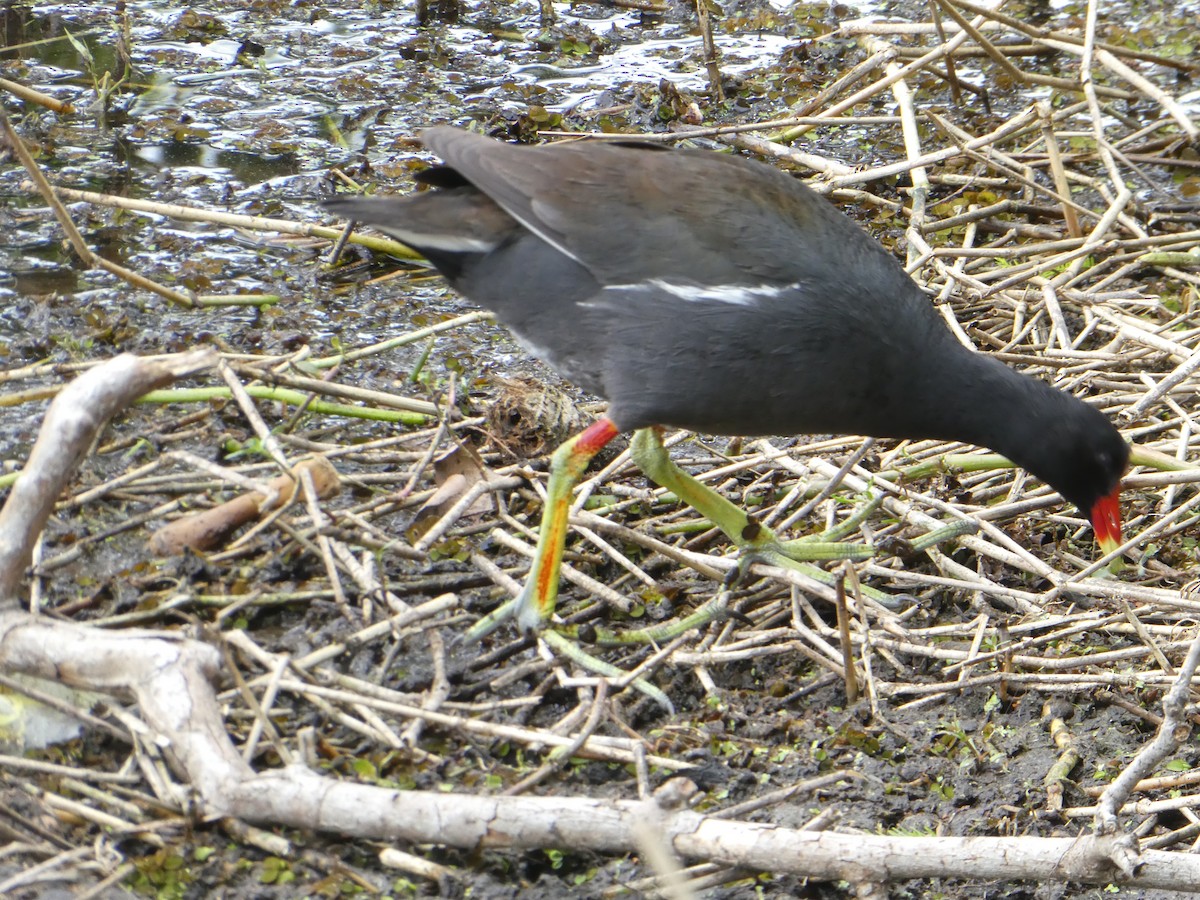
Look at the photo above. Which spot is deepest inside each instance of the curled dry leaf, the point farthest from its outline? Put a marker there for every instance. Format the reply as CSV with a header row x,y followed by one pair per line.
x,y
456,472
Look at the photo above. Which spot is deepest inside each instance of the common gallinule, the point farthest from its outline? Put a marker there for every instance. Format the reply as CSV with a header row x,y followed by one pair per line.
x,y
718,294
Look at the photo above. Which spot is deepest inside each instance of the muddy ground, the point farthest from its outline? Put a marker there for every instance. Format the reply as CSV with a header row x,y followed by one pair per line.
x,y
265,110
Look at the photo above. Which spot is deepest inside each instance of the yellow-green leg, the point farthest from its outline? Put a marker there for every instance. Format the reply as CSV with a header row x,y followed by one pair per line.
x,y
757,541
535,604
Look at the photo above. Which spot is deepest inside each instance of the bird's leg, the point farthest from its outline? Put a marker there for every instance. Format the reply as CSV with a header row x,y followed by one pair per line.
x,y
759,541
656,464
534,605
567,466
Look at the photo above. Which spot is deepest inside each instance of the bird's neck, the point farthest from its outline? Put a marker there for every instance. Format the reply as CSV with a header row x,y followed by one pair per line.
x,y
994,406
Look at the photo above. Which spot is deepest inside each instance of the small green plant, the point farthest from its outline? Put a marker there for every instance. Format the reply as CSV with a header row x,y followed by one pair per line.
x,y
163,875
276,871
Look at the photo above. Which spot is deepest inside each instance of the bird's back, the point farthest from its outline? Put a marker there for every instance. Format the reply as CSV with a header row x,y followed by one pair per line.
x,y
694,289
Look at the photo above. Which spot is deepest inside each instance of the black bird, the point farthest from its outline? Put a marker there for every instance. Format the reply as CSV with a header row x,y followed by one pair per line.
x,y
713,293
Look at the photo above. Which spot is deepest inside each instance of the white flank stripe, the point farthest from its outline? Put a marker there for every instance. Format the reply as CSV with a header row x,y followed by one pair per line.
x,y
733,294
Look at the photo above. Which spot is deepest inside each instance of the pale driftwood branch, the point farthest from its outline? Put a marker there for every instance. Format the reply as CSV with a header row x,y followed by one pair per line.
x,y
71,424
300,798
170,680
1172,734
169,677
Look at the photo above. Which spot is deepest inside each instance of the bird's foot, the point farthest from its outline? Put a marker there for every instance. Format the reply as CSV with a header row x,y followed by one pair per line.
x,y
802,556
524,609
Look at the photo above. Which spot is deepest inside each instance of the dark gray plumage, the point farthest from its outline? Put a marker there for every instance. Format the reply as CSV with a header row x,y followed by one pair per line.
x,y
710,292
